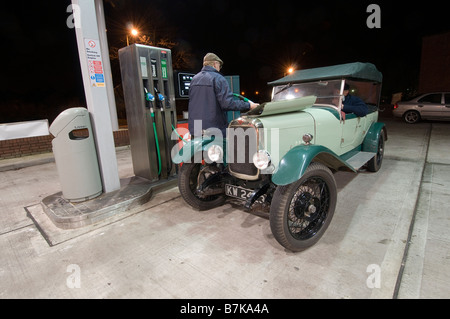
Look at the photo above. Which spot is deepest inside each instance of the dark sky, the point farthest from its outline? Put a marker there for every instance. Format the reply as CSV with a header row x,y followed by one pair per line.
x,y
256,39
259,39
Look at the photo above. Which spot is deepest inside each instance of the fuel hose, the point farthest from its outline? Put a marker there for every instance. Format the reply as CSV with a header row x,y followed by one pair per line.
x,y
157,143
175,130
241,97
150,98
160,99
234,94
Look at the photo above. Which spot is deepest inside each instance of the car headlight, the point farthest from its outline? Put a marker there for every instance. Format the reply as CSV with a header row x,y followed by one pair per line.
x,y
215,153
261,159
307,138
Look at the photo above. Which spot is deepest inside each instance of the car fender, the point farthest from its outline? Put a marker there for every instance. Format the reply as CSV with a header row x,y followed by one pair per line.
x,y
192,147
295,162
370,143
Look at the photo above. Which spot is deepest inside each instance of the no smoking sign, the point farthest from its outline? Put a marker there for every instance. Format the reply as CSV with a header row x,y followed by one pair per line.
x,y
95,65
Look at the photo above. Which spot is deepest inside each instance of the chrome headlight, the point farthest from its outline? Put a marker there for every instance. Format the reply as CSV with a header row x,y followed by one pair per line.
x,y
215,153
307,138
261,159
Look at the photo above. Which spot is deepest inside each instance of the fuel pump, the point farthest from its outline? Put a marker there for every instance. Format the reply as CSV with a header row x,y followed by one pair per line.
x,y
148,87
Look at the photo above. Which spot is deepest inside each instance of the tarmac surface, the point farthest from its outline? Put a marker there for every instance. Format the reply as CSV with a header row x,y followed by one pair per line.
x,y
389,237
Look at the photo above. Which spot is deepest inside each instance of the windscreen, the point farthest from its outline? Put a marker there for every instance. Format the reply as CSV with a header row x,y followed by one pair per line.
x,y
327,92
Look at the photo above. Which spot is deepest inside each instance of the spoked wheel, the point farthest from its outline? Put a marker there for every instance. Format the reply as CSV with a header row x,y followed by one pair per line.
x,y
192,175
302,211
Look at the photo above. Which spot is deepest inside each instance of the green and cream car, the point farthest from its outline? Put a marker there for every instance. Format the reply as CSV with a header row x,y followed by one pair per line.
x,y
281,156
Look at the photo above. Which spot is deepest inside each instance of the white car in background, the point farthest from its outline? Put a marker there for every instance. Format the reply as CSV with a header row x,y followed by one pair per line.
x,y
429,106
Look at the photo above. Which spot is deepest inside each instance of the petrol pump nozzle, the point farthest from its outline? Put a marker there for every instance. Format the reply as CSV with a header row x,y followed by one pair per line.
x,y
149,98
160,98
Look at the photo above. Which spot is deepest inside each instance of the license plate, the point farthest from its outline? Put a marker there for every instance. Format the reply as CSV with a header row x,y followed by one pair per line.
x,y
237,192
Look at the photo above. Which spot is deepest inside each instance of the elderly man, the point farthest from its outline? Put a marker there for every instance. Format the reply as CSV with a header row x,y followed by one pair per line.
x,y
353,104
210,98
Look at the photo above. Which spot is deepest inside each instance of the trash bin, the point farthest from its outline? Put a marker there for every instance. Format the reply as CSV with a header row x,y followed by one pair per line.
x,y
75,155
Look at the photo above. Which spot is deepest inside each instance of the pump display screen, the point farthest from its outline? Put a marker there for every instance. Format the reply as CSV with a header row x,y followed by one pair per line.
x,y
184,83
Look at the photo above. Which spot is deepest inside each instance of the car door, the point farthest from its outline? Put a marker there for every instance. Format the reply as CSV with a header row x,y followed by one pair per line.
x,y
352,132
430,106
446,108
349,127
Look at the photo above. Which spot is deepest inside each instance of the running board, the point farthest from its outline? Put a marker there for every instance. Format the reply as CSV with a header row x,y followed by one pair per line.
x,y
359,159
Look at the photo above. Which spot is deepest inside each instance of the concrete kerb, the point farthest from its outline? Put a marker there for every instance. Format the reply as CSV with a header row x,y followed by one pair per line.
x,y
59,220
26,161
414,280
400,284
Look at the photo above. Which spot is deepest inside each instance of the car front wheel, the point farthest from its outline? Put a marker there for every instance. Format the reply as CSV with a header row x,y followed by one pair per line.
x,y
302,211
192,175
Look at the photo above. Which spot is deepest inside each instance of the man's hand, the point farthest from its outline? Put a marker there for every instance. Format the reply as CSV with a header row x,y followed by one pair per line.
x,y
253,105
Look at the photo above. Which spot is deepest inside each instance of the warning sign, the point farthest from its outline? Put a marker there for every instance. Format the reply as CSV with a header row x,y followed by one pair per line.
x,y
95,64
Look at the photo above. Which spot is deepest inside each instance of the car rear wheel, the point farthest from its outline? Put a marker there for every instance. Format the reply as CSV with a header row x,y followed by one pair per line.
x,y
302,211
375,163
411,117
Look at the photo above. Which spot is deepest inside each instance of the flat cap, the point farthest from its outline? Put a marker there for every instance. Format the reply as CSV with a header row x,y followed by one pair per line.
x,y
210,57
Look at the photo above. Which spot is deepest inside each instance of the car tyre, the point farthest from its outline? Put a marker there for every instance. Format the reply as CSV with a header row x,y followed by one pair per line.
x,y
189,175
375,163
411,117
302,211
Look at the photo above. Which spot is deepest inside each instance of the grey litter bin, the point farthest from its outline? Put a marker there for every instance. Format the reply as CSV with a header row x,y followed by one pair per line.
x,y
75,155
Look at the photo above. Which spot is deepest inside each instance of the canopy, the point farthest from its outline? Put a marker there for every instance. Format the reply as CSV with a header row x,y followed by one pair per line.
x,y
356,70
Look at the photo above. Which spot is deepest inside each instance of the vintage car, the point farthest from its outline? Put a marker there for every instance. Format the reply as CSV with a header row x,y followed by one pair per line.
x,y
281,156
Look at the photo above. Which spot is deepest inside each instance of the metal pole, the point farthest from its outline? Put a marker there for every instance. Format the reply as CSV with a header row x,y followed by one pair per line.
x,y
106,63
91,52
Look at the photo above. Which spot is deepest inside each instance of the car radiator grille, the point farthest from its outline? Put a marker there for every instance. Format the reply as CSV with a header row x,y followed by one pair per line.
x,y
240,162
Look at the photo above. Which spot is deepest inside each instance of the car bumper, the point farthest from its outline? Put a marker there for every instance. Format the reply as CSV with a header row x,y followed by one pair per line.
x,y
397,113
